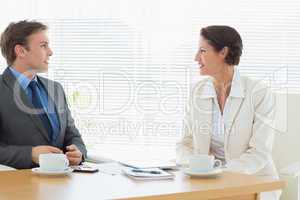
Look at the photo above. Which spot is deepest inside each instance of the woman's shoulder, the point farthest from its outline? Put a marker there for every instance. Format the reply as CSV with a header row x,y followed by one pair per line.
x,y
253,85
258,90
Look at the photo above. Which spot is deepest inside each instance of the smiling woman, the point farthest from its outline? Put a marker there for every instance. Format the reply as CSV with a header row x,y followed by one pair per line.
x,y
228,114
218,39
219,51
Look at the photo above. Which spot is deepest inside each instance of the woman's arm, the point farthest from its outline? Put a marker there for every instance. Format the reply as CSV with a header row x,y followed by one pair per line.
x,y
184,148
259,152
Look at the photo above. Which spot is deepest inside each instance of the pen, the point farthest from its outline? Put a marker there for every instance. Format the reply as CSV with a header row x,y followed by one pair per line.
x,y
146,171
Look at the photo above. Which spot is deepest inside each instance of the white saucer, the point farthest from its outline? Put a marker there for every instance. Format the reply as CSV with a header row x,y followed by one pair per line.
x,y
211,173
38,170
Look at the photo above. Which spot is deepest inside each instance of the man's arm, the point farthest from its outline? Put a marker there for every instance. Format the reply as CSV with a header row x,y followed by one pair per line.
x,y
72,135
23,157
43,149
16,156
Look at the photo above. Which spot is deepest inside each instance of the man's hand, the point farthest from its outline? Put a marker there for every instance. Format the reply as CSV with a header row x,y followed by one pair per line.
x,y
36,151
74,155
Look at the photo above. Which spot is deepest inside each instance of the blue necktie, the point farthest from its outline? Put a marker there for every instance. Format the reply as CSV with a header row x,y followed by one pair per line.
x,y
37,103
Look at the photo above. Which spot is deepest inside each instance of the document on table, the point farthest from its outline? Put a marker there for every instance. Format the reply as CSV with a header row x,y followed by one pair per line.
x,y
110,168
147,174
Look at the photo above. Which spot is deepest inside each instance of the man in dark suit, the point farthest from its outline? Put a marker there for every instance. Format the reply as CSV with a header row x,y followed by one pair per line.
x,y
34,115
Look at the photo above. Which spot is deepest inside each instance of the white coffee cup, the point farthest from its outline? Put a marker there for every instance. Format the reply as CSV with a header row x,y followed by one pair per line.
x,y
203,163
53,162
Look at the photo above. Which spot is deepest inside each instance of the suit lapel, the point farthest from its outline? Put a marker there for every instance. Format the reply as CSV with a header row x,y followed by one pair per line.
x,y
235,102
233,110
202,102
205,108
203,138
22,102
206,94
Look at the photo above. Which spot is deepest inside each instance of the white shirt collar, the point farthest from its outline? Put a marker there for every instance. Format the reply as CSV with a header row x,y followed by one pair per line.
x,y
236,90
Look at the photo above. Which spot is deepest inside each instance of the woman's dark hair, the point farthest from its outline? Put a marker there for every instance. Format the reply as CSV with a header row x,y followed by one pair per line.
x,y
224,36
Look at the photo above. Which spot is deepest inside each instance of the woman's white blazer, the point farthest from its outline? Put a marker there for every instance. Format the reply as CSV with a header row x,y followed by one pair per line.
x,y
249,131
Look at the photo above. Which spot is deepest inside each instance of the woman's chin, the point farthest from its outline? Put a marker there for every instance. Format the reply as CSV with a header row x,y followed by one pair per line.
x,y
203,72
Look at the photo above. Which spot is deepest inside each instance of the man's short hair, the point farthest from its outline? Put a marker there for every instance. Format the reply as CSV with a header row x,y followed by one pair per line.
x,y
18,33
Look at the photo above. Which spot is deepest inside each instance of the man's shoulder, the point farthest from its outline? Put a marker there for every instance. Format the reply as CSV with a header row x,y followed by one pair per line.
x,y
2,82
44,79
48,81
1,78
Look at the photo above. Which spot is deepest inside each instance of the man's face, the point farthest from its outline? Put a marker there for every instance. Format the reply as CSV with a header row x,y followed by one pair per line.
x,y
38,52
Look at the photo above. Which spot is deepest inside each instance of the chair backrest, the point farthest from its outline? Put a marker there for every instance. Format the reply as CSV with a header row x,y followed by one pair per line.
x,y
286,147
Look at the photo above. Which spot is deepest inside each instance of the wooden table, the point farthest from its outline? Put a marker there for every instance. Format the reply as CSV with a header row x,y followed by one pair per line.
x,y
24,185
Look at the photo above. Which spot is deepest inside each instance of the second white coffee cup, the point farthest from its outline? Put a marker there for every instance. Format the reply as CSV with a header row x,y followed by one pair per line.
x,y
203,163
53,162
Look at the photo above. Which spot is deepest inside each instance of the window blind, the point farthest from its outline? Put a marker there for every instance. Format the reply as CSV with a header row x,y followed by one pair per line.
x,y
117,93
127,74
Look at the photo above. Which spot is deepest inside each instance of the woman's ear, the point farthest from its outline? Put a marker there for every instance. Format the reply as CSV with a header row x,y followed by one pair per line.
x,y
20,51
224,52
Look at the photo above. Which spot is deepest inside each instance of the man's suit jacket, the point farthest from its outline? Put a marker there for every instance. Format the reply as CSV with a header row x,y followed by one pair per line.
x,y
21,129
249,127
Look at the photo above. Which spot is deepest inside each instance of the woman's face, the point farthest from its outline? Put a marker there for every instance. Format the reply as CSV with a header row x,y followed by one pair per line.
x,y
209,60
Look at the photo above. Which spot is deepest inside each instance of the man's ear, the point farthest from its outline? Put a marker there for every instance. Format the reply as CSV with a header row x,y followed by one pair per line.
x,y
20,51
